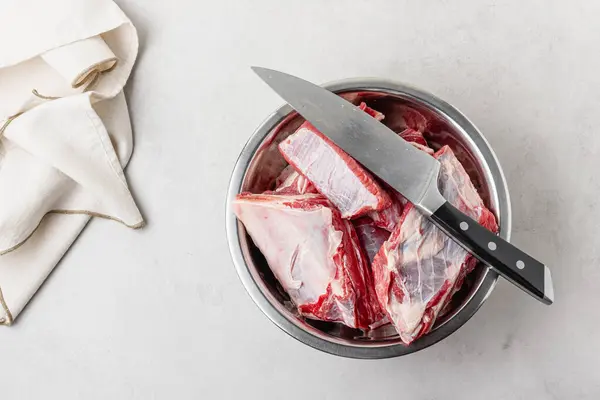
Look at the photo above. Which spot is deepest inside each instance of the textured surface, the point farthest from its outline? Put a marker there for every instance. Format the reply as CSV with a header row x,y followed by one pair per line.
x,y
161,314
371,237
291,182
419,267
333,172
314,254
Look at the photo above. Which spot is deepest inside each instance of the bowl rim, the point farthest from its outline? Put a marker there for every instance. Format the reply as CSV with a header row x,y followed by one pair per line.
x,y
337,346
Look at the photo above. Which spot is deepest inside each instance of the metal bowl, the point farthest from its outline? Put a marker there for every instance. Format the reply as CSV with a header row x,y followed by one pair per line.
x,y
259,164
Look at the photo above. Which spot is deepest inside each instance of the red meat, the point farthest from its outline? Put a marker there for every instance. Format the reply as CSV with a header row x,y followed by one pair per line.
x,y
314,254
291,182
417,139
419,268
371,237
373,113
333,172
388,218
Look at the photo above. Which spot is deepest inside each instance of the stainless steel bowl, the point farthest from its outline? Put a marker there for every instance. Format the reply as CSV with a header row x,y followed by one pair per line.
x,y
260,162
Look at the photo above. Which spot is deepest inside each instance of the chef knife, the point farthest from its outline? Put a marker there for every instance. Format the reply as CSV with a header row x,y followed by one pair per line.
x,y
411,172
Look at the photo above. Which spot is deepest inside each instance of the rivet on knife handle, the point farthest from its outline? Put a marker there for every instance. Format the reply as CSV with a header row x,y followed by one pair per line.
x,y
510,262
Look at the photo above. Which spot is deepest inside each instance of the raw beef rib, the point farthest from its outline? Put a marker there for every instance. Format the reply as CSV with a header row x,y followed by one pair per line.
x,y
413,136
401,117
373,113
284,175
418,269
417,139
291,182
371,237
333,172
314,254
388,217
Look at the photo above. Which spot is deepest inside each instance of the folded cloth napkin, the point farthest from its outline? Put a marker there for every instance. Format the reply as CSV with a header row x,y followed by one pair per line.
x,y
65,133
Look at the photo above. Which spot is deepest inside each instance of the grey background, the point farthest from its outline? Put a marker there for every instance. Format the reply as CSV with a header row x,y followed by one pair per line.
x,y
160,313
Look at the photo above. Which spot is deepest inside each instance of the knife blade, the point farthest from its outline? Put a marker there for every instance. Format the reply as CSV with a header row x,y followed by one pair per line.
x,y
411,172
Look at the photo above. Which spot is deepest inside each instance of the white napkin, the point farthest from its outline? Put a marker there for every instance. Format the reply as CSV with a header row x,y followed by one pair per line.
x,y
65,133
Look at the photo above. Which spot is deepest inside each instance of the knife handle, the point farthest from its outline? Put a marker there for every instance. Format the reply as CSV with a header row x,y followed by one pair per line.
x,y
523,270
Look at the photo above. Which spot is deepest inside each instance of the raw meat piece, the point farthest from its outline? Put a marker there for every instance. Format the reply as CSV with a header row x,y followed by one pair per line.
x,y
417,139
411,135
373,312
333,172
314,254
388,218
373,113
287,171
401,117
371,237
291,182
469,266
419,267
414,119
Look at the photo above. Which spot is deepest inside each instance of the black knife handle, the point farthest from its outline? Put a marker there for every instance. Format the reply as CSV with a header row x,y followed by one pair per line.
x,y
510,262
